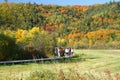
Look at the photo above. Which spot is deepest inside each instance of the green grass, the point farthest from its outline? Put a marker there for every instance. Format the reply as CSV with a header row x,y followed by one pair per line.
x,y
84,61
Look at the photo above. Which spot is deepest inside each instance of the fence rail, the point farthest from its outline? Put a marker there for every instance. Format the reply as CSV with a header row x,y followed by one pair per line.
x,y
31,60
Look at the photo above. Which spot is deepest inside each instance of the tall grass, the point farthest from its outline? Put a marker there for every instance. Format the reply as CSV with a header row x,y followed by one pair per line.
x,y
85,65
72,75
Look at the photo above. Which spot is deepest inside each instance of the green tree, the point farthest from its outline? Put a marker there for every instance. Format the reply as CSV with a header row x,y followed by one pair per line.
x,y
7,48
43,44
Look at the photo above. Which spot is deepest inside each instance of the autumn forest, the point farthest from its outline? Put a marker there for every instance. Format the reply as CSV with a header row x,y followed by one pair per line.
x,y
33,30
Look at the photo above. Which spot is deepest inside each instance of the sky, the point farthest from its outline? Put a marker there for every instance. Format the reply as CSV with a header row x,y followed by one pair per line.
x,y
63,2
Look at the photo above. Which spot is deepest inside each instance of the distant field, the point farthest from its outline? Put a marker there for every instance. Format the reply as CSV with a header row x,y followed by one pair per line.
x,y
84,61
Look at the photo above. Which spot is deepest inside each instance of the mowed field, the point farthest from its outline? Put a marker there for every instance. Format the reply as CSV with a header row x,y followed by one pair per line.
x,y
94,62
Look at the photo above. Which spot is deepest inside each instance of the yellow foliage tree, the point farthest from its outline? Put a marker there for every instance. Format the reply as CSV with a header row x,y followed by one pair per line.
x,y
22,35
34,30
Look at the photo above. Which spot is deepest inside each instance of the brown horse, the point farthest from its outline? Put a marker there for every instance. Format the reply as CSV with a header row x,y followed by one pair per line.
x,y
61,51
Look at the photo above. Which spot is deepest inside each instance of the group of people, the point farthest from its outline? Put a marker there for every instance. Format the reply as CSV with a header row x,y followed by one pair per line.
x,y
67,52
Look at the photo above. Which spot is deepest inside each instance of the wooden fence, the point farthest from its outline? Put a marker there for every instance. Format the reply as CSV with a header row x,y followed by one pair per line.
x,y
32,60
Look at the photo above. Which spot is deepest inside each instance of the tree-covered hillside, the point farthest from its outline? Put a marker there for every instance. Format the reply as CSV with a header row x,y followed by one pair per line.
x,y
106,16
85,18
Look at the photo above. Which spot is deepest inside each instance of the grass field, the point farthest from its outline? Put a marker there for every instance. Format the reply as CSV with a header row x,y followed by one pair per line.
x,y
93,62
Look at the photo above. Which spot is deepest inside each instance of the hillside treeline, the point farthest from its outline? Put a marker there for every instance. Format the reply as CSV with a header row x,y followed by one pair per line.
x,y
33,30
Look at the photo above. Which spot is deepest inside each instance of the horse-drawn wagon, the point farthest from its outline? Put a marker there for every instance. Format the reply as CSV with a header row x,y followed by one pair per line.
x,y
64,52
